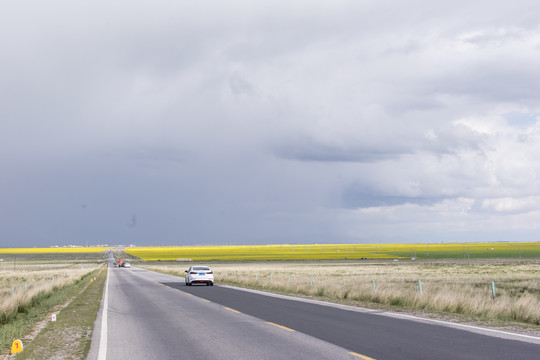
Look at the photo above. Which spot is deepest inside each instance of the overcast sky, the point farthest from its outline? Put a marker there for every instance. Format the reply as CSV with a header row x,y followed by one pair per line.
x,y
254,122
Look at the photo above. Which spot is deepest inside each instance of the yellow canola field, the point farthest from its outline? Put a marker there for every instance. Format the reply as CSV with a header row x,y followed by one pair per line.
x,y
338,251
55,250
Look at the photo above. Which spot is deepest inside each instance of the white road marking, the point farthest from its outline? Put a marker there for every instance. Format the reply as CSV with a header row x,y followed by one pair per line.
x,y
102,355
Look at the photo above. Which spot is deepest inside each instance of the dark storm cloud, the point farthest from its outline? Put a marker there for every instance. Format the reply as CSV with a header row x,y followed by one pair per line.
x,y
355,198
312,151
246,122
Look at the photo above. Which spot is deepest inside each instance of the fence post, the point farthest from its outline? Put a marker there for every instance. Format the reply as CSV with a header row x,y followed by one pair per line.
x,y
257,277
289,280
271,277
311,281
420,286
25,287
12,290
493,289
373,283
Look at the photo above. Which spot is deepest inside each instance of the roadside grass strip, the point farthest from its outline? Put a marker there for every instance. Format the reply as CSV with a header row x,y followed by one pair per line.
x,y
31,307
69,337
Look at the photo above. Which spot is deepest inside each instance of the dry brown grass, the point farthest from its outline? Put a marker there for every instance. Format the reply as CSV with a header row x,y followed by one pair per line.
x,y
448,286
19,287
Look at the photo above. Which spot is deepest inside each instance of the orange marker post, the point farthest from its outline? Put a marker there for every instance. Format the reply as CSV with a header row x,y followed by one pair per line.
x,y
16,347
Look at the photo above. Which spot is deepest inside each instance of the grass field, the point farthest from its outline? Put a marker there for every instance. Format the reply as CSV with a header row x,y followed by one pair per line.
x,y
74,322
32,284
340,251
53,250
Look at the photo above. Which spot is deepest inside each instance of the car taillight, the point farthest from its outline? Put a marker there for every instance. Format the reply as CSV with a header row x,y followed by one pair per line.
x,y
209,272
193,273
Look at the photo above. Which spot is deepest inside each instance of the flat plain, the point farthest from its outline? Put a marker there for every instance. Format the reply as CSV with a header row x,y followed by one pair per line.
x,y
516,250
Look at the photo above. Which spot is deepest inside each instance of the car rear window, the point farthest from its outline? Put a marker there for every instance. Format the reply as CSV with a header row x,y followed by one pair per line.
x,y
201,268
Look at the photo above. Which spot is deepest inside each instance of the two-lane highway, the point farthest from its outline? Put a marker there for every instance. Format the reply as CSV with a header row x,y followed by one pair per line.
x,y
155,316
148,320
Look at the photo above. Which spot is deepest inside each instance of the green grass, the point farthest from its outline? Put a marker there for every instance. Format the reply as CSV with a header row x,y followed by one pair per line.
x,y
50,278
53,250
70,336
42,305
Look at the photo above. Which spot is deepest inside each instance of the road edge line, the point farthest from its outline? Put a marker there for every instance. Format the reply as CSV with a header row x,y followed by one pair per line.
x,y
102,354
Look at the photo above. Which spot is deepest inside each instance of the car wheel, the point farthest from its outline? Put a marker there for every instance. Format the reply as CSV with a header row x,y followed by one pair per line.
x,y
211,284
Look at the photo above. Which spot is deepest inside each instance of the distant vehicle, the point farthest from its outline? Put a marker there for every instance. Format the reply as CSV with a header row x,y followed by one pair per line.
x,y
127,265
121,262
199,275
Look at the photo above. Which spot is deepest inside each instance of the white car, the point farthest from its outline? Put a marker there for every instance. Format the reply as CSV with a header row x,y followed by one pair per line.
x,y
127,265
199,275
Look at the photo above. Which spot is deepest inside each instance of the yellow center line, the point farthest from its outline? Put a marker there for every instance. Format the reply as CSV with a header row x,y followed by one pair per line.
x,y
236,311
280,326
361,356
205,300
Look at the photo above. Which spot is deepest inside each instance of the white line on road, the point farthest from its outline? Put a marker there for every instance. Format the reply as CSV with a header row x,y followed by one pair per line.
x,y
102,355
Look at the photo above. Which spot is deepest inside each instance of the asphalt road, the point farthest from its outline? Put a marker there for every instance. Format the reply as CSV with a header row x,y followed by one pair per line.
x,y
148,320
155,316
